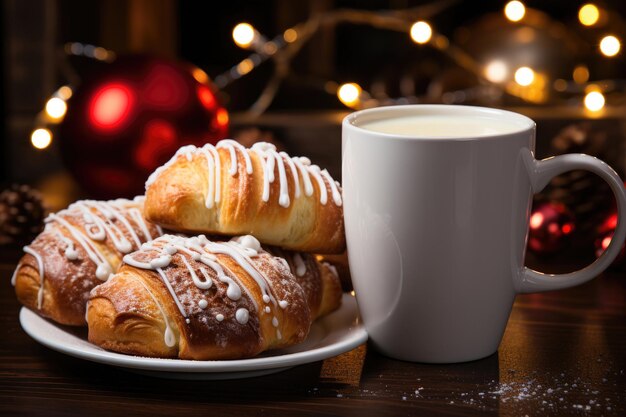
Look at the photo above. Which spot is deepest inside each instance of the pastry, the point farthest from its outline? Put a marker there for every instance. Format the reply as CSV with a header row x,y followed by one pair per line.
x,y
230,190
80,247
192,298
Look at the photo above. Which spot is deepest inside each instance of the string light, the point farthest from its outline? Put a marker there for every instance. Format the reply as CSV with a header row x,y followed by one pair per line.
x,y
244,35
610,46
65,92
89,51
524,76
514,11
421,32
589,14
594,101
56,108
349,94
581,74
245,66
41,138
200,75
290,35
496,71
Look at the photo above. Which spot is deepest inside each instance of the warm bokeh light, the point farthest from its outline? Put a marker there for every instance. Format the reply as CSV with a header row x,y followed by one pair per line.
x,y
594,101
610,46
245,66
421,32
56,108
100,53
349,94
496,71
536,220
200,75
589,14
41,138
65,92
243,35
290,35
222,117
524,76
514,11
110,106
560,84
581,74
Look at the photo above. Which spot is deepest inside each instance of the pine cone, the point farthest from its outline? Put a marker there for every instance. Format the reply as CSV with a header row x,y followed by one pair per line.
x,y
21,214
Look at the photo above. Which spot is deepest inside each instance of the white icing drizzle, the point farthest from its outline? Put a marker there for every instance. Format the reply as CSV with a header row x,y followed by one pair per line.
x,y
294,172
96,229
275,322
237,251
283,199
116,212
209,200
208,282
103,227
70,252
265,196
39,260
168,335
242,315
135,214
14,276
283,304
219,317
308,185
300,264
203,285
200,249
315,171
269,159
232,145
333,187
187,150
268,309
103,269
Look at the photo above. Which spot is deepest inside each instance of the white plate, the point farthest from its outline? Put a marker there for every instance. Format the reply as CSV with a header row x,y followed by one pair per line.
x,y
330,336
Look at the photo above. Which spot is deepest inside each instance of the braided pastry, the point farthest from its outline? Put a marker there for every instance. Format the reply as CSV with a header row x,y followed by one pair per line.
x,y
80,247
230,190
192,298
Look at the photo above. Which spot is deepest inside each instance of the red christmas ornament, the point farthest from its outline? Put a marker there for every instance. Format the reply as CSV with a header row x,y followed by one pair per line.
x,y
550,224
130,116
605,234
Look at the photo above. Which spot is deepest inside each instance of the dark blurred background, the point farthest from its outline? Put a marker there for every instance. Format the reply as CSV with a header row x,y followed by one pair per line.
x,y
386,63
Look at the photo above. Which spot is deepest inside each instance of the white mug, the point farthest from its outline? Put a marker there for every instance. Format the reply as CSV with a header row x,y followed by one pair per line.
x,y
437,223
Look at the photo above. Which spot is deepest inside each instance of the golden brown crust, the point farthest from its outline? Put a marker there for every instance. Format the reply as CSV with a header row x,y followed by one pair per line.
x,y
67,282
319,280
176,196
137,331
131,312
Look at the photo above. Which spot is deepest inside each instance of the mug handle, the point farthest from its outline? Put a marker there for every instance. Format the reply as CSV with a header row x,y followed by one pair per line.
x,y
540,173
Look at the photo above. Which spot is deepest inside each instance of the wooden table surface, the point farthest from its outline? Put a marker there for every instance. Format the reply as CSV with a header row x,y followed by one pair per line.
x,y
563,353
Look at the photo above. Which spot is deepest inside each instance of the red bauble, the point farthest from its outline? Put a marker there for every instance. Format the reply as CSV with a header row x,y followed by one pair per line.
x,y
604,236
130,116
550,224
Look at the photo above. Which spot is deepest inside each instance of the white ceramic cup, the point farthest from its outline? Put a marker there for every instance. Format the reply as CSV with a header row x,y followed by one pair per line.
x,y
437,227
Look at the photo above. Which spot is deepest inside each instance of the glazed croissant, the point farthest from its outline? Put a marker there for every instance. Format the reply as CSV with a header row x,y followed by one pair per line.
x,y
80,247
192,298
230,190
